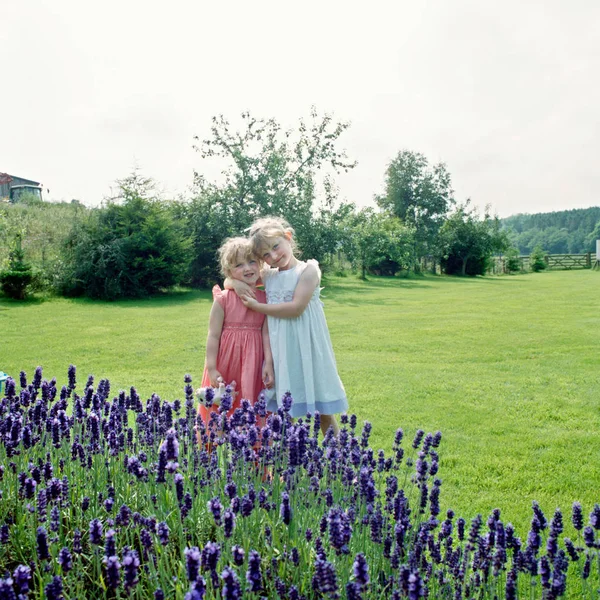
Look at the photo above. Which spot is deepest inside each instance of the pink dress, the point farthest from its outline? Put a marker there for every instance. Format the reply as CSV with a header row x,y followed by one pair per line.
x,y
240,356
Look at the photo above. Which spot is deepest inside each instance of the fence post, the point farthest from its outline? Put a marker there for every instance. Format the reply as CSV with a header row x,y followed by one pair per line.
x,y
588,260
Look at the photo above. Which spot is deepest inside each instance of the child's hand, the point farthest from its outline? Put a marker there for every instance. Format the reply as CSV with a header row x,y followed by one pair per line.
x,y
215,378
240,288
249,302
268,376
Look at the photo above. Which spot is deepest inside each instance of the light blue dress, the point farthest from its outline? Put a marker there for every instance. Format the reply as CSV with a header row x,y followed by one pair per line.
x,y
302,351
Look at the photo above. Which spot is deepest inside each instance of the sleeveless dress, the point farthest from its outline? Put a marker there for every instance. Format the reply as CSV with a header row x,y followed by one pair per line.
x,y
302,351
240,356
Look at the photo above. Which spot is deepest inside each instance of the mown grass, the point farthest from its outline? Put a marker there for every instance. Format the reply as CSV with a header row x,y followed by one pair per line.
x,y
506,367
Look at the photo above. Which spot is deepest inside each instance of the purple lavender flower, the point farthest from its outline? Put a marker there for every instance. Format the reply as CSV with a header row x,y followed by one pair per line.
x,y
595,517
415,586
572,551
29,485
215,508
577,516
171,445
54,519
110,546
586,567
210,556
192,559
340,529
324,580
162,465
113,575
253,574
285,510
228,522
238,555
231,585
42,544
556,525
511,586
247,506
159,594
65,560
360,570
178,480
545,572
4,534
366,433
162,530
72,379
417,439
540,515
287,402
96,532
131,565
559,574
54,590
376,527
588,537
77,542
22,579
460,528
197,590
123,516
475,528
353,591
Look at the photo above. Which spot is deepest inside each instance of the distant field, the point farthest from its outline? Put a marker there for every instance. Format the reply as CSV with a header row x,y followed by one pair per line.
x,y
508,368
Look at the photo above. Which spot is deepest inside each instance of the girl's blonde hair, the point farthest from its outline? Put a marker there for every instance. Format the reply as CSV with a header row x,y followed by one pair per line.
x,y
266,229
231,251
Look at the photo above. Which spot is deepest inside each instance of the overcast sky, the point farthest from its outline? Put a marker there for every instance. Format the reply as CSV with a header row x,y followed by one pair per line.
x,y
507,94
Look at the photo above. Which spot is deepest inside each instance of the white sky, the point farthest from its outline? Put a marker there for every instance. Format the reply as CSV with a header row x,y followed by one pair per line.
x,y
507,94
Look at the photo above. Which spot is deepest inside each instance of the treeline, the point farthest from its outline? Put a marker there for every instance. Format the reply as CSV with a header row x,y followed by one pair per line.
x,y
563,232
138,242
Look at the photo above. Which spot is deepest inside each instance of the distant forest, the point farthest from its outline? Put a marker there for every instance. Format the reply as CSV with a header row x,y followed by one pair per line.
x,y
564,232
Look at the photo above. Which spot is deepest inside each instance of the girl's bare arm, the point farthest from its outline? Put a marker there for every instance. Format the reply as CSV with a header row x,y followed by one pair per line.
x,y
215,327
307,283
268,372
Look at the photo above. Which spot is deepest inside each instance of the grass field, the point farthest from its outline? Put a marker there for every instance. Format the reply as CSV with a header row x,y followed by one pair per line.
x,y
507,368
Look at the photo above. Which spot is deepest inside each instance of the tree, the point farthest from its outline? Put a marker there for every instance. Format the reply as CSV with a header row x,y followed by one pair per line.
x,y
130,248
513,260
15,280
271,171
537,260
467,242
419,195
378,243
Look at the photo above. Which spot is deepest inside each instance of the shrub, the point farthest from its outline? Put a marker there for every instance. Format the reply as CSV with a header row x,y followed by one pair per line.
x,y
513,260
245,506
537,260
16,280
126,250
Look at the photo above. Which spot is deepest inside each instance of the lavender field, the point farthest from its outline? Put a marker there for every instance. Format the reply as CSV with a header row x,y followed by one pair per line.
x,y
108,495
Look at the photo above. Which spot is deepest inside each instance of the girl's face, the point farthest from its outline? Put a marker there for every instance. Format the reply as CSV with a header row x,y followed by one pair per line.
x,y
278,253
245,269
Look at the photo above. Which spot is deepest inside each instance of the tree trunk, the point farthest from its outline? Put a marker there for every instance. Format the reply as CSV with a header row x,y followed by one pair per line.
x,y
464,265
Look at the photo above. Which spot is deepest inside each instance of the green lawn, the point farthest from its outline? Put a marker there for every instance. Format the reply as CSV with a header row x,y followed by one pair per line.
x,y
507,368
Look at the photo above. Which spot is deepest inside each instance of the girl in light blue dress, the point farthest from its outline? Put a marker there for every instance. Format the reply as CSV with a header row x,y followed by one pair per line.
x,y
302,351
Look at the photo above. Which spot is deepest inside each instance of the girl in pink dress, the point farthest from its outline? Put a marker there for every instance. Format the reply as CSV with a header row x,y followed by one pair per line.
x,y
237,347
